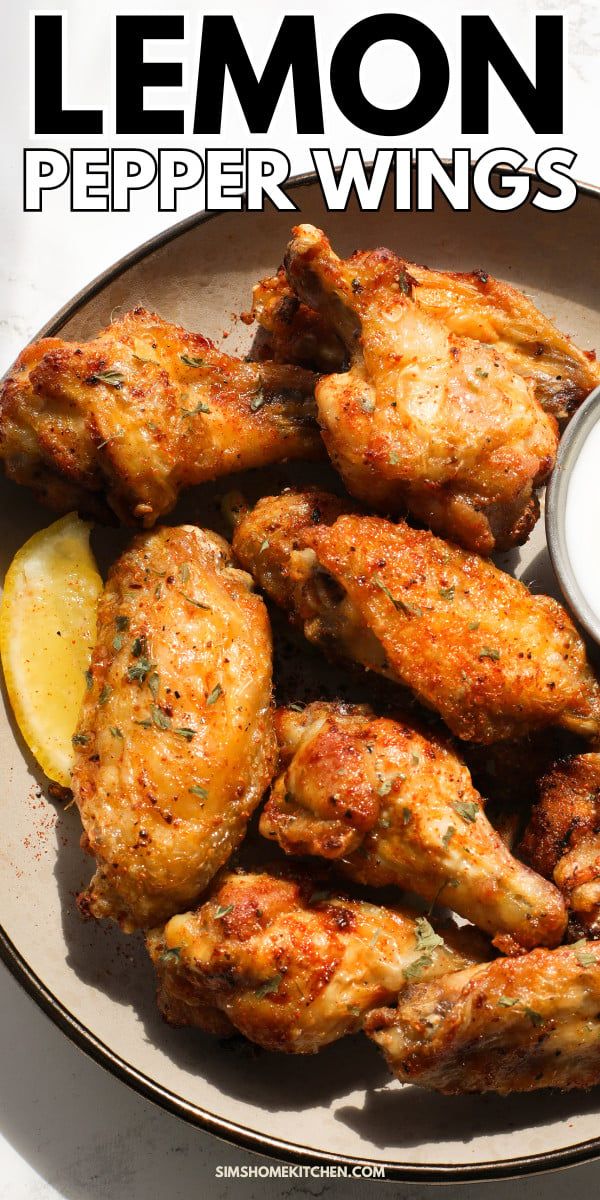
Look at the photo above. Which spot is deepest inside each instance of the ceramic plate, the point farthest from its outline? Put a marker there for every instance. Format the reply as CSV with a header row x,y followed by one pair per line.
x,y
96,983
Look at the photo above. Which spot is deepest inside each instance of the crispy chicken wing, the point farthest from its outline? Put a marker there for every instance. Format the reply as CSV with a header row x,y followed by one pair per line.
x,y
471,305
143,410
175,744
425,420
289,964
562,840
475,305
390,805
508,1026
290,331
472,642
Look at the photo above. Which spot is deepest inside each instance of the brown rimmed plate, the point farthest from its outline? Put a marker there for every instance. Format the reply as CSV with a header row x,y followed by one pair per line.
x,y
96,984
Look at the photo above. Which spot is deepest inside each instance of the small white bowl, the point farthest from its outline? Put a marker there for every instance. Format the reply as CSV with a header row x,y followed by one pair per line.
x,y
570,448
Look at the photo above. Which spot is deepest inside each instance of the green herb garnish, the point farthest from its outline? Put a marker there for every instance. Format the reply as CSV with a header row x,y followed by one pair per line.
x,y
467,809
196,603
401,605
197,790
584,956
159,718
415,969
140,669
111,377
269,986
201,407
426,939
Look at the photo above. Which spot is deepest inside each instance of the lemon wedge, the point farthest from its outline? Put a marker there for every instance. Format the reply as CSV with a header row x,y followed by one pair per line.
x,y
47,633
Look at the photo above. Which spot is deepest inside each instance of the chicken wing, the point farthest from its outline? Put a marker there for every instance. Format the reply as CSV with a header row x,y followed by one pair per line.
x,y
471,305
175,744
426,420
562,840
390,805
125,421
512,1025
291,332
289,964
472,642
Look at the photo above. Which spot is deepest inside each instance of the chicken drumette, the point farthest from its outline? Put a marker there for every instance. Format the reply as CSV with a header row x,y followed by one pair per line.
x,y
290,964
508,1026
472,642
388,804
426,420
125,421
562,840
175,744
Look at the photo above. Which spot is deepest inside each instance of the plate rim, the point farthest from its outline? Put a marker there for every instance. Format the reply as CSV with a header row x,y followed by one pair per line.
x,y
87,1041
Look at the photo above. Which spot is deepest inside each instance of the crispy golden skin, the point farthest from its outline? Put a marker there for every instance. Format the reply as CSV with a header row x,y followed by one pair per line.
x,y
472,642
472,305
390,805
290,331
512,1025
426,420
475,305
175,744
125,421
289,964
562,840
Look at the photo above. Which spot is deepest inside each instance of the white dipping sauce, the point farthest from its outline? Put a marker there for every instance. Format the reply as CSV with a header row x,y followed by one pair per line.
x,y
582,518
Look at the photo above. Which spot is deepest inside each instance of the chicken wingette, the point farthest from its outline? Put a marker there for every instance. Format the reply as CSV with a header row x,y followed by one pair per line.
x,y
175,744
512,1025
123,422
472,642
425,421
472,305
562,840
290,964
390,805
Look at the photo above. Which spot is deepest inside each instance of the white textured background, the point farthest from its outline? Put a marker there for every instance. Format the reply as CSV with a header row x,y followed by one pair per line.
x,y
66,1127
